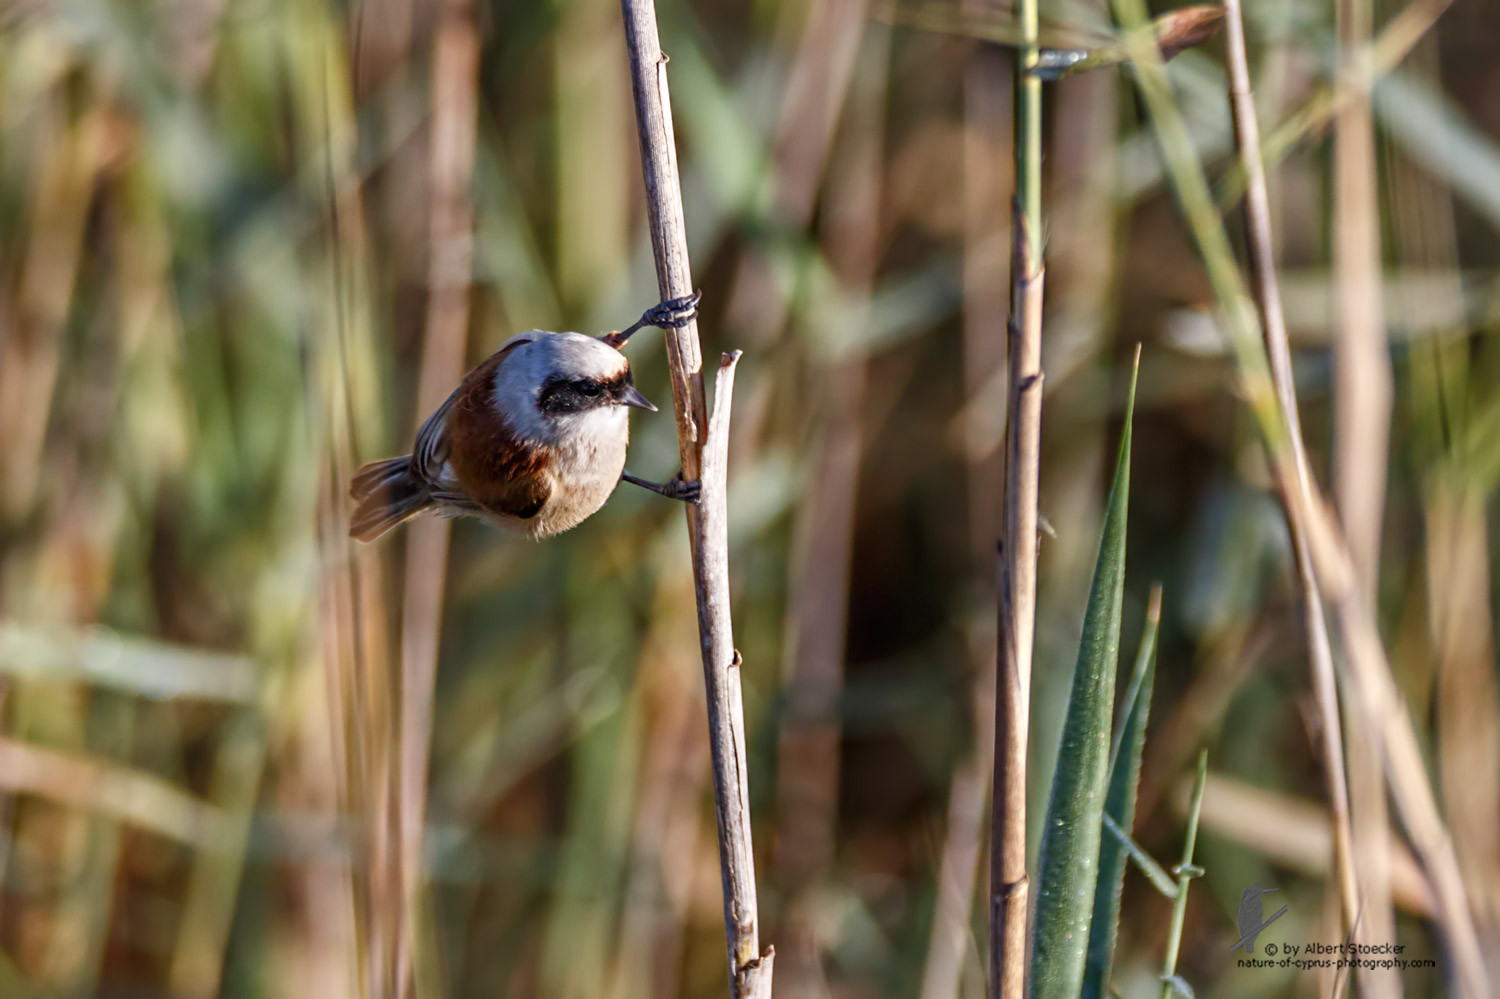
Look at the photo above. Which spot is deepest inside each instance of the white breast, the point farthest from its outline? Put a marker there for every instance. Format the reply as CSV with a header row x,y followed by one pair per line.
x,y
590,450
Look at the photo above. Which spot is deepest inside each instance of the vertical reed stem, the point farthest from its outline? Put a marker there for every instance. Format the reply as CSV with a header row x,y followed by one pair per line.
x,y
703,444
1362,389
1009,887
455,102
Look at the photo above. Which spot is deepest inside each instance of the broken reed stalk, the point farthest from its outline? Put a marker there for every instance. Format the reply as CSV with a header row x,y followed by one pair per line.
x,y
703,445
1267,292
1009,887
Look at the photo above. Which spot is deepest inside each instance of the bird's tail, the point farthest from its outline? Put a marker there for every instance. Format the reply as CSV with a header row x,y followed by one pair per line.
x,y
387,494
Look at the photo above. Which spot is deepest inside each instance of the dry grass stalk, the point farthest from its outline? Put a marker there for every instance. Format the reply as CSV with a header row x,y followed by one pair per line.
x,y
1009,888
1356,77
455,82
351,656
1405,768
360,692
1371,682
1362,370
1009,885
1468,751
1372,685
1461,664
703,445
1362,412
1273,324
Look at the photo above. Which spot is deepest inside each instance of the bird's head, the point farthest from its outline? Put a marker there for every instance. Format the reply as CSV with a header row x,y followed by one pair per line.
x,y
562,383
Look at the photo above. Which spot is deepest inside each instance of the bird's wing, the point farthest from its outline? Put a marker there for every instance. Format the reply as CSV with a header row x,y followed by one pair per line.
x,y
520,496
429,455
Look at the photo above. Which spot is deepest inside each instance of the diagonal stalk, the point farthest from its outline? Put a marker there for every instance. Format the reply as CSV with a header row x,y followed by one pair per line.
x,y
1262,264
1372,686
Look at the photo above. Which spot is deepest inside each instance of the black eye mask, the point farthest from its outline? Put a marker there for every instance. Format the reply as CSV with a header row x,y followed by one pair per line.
x,y
560,396
570,395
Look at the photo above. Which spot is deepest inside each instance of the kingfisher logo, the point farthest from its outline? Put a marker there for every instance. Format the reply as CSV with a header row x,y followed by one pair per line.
x,y
1249,918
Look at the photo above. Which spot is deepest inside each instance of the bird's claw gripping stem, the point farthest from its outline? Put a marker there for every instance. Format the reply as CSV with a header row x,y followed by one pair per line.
x,y
672,314
674,488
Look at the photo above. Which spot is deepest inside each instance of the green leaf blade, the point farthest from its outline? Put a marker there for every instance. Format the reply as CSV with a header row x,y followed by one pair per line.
x,y
1068,870
1119,806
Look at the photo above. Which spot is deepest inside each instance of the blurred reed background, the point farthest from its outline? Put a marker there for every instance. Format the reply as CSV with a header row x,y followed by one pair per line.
x,y
246,244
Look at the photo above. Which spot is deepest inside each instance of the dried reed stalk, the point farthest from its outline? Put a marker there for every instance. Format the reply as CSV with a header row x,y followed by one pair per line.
x,y
1466,706
1362,413
360,723
703,445
1356,76
1009,886
1372,687
455,84
1405,767
1273,323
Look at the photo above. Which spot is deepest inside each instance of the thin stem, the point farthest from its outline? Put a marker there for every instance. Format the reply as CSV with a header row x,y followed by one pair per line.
x,y
1268,300
1362,414
455,83
1029,127
1009,886
703,445
1185,873
1371,682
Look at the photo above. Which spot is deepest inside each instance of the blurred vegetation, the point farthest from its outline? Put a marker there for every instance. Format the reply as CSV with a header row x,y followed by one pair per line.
x,y
216,224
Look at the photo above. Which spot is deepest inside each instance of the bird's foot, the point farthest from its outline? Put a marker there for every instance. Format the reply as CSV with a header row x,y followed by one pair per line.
x,y
676,487
673,313
669,315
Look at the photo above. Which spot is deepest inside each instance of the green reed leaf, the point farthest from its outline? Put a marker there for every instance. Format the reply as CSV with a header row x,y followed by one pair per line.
x,y
1068,869
1119,807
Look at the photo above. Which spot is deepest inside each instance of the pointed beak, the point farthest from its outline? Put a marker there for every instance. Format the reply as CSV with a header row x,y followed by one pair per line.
x,y
632,397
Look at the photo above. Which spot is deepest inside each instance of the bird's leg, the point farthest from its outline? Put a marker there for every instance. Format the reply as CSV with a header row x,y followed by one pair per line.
x,y
671,314
674,488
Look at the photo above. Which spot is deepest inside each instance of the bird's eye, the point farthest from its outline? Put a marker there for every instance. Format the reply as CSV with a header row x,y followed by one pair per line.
x,y
588,387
